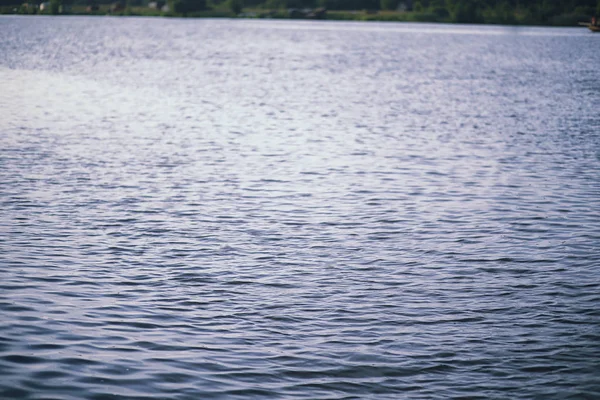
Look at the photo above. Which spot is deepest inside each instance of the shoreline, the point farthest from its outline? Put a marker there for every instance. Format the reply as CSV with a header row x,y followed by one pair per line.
x,y
357,15
174,16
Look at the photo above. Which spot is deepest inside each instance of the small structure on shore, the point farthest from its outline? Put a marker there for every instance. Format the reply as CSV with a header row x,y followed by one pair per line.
x,y
593,25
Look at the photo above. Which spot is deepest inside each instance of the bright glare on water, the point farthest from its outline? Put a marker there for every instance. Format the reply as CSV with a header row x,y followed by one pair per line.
x,y
197,209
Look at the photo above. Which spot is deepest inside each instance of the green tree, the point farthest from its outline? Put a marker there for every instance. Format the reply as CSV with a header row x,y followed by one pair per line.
x,y
274,4
350,4
54,7
187,6
504,13
467,11
236,6
438,8
389,4
549,9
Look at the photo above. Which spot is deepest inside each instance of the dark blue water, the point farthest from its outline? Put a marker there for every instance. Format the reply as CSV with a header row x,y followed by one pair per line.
x,y
196,209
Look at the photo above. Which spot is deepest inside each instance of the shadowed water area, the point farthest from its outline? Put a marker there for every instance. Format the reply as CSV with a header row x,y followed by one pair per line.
x,y
221,209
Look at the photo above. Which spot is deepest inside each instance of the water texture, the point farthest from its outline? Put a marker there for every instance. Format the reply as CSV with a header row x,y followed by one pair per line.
x,y
221,209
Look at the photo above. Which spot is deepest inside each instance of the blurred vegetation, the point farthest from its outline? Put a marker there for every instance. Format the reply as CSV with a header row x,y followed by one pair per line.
x,y
185,7
509,12
236,6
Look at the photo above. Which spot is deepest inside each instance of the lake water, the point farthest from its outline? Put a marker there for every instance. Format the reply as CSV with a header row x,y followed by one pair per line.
x,y
197,209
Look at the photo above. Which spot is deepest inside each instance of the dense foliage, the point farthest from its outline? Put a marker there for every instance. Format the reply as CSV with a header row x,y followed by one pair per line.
x,y
548,12
553,12
187,6
530,12
499,11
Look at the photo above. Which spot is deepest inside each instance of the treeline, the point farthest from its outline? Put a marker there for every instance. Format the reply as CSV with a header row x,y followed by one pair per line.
x,y
531,12
498,11
553,12
510,12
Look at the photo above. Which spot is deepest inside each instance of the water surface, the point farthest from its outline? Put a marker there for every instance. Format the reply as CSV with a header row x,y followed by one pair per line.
x,y
195,209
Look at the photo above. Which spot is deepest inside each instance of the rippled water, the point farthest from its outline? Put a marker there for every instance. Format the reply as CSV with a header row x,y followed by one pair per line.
x,y
196,209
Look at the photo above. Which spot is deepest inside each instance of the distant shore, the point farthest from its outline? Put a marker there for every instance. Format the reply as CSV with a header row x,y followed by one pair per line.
x,y
566,20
